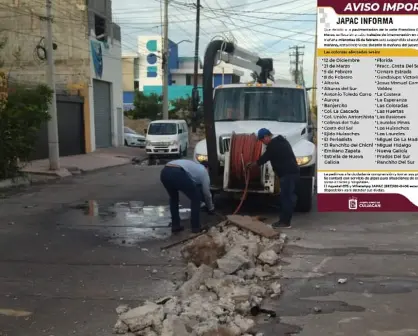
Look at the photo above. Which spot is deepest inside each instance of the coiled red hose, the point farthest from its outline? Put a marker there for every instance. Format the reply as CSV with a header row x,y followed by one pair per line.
x,y
244,148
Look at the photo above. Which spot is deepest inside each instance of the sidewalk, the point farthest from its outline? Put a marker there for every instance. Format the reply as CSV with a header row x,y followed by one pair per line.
x,y
101,158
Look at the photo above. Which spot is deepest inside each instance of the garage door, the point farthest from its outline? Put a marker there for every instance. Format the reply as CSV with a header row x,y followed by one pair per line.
x,y
70,129
102,114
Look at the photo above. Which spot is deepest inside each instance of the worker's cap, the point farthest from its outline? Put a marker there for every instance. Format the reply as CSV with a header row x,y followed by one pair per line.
x,y
263,132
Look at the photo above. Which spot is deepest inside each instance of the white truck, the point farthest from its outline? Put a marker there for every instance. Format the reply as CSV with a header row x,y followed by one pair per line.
x,y
282,107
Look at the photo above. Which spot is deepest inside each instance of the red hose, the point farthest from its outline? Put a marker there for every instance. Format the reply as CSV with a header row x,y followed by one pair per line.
x,y
244,148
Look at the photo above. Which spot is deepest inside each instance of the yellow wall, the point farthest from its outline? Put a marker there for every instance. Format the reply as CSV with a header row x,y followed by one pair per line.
x,y
128,74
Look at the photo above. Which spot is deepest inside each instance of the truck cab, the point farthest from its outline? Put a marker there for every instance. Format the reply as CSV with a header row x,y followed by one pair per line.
x,y
282,107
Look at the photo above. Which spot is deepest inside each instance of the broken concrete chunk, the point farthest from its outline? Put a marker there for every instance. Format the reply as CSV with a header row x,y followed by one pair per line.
x,y
192,286
258,290
148,315
174,326
233,261
243,307
245,324
240,294
218,274
191,269
172,307
233,329
145,332
276,288
208,327
253,249
120,328
122,309
260,273
269,257
275,245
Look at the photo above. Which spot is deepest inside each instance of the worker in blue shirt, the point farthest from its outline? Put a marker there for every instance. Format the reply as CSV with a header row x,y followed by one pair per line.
x,y
193,180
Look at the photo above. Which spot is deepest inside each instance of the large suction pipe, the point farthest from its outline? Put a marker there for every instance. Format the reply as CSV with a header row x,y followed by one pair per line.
x,y
211,55
232,54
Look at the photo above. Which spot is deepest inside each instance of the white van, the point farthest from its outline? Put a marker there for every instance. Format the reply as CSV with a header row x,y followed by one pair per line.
x,y
167,138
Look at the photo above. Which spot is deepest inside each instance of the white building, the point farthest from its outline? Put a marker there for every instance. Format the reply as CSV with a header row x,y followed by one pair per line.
x,y
105,89
181,69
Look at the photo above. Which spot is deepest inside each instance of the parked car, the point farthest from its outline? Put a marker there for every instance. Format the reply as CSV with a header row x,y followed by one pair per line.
x,y
133,138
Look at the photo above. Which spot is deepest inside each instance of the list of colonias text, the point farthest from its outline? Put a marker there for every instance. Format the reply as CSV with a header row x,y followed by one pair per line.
x,y
367,108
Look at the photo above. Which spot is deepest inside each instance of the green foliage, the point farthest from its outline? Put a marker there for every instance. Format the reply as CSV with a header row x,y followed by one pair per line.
x,y
254,76
150,107
180,109
20,121
146,107
3,42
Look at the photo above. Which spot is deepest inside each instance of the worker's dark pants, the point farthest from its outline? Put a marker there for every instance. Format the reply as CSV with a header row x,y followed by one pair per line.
x,y
175,179
288,197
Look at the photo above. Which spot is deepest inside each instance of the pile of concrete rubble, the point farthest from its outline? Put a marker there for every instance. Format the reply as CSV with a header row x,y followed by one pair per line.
x,y
230,272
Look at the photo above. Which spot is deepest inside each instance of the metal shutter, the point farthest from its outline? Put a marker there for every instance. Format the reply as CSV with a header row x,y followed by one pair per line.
x,y
102,114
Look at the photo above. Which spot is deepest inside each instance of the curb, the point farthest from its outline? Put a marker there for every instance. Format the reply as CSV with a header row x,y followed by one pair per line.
x,y
46,178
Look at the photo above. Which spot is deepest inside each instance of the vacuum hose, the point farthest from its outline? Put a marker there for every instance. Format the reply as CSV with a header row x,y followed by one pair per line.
x,y
244,148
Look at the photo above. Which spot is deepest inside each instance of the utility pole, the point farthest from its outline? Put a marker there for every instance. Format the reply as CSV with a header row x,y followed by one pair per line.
x,y
195,92
315,67
297,60
165,62
53,143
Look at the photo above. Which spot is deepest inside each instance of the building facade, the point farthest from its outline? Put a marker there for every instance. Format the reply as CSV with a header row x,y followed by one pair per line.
x,y
105,82
181,71
87,68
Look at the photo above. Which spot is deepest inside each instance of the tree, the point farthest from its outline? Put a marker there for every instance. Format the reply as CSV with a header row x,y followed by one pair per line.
x,y
23,111
147,107
180,108
254,76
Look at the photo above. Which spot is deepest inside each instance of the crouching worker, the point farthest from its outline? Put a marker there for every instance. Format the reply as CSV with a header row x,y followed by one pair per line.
x,y
193,180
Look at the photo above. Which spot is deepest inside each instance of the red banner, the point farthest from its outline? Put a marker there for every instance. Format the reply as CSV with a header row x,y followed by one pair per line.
x,y
380,7
365,203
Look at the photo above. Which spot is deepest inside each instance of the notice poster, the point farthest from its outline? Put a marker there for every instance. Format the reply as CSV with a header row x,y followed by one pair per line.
x,y
367,100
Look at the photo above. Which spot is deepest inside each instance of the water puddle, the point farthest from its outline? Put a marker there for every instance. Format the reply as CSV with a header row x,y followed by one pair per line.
x,y
124,223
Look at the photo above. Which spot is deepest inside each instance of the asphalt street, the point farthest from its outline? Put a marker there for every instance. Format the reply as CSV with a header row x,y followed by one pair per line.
x,y
73,250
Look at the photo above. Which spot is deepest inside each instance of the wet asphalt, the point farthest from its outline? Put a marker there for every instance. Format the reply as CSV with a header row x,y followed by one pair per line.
x,y
72,251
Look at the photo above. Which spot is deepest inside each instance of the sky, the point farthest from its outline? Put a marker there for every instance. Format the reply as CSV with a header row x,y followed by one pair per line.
x,y
268,28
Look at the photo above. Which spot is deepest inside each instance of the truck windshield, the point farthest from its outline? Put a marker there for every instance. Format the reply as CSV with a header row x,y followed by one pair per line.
x,y
260,103
162,129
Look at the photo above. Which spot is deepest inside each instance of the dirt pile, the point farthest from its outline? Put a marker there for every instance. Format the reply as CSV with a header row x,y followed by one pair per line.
x,y
230,272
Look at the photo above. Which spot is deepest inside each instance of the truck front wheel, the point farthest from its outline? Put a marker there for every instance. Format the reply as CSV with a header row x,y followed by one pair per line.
x,y
304,194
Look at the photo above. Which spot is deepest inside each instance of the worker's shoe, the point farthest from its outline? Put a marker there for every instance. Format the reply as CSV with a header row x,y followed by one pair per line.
x,y
281,225
177,229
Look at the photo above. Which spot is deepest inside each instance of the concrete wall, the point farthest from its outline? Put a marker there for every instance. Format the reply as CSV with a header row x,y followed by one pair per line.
x,y
112,73
179,79
25,31
128,73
